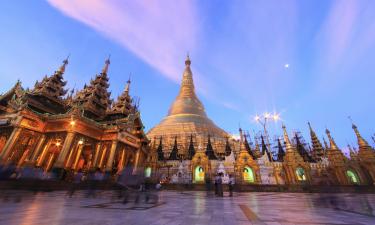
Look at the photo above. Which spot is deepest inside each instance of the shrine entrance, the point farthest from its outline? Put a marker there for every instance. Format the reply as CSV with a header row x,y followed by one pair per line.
x,y
199,174
300,173
248,175
352,177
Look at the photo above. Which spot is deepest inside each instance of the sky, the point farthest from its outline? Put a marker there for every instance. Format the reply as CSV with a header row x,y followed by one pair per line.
x,y
239,52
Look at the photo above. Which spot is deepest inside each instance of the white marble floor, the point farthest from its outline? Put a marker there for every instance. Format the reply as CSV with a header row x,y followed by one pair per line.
x,y
50,208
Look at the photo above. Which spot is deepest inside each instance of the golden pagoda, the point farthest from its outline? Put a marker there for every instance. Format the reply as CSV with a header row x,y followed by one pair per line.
x,y
187,120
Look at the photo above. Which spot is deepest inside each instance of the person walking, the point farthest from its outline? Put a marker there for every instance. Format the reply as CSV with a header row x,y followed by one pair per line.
x,y
220,185
217,185
75,183
231,185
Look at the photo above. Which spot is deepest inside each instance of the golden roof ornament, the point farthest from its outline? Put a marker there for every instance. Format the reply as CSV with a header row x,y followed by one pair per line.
x,y
106,65
332,143
288,145
361,141
62,67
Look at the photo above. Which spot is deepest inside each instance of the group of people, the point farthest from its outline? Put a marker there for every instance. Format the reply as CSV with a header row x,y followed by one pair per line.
x,y
218,184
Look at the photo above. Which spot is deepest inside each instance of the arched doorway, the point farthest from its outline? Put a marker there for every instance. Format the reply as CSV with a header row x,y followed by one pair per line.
x,y
248,175
199,174
352,177
148,172
300,174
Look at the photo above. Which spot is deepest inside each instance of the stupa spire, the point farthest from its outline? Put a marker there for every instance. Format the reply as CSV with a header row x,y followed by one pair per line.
x,y
361,141
187,101
106,65
332,143
317,148
62,67
288,145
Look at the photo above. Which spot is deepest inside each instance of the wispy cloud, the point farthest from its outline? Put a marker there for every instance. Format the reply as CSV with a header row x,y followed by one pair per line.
x,y
157,32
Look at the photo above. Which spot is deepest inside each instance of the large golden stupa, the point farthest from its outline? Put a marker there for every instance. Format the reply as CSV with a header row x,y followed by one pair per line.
x,y
187,119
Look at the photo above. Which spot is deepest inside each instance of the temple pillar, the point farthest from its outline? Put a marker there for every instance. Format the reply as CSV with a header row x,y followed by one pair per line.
x,y
96,155
44,153
135,169
112,152
38,148
102,155
64,150
10,143
80,147
121,163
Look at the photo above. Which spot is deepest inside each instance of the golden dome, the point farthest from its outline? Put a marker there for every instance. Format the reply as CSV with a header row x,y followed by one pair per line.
x,y
186,115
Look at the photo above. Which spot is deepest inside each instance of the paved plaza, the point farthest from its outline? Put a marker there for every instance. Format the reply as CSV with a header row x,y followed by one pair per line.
x,y
172,207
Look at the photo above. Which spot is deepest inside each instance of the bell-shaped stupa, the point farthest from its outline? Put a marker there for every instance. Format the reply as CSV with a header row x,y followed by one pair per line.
x,y
187,117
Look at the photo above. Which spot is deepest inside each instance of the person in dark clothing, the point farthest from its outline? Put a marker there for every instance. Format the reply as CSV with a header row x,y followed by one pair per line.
x,y
208,184
231,185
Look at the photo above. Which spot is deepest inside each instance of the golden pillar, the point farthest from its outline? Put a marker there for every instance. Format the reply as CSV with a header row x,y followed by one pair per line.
x,y
78,156
96,155
38,148
49,162
120,165
135,169
111,156
44,153
10,143
65,149
103,154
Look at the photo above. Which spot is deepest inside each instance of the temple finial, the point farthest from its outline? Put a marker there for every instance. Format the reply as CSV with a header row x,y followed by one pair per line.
x,y
286,139
187,61
308,123
127,87
106,65
65,62
361,141
331,141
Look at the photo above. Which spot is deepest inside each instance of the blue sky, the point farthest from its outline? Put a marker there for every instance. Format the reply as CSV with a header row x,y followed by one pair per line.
x,y
238,49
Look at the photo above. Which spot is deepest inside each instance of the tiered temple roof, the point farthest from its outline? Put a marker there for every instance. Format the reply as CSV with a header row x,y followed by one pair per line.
x,y
94,98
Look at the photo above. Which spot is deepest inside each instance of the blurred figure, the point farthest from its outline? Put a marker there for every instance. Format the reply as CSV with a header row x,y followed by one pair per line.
x,y
92,180
77,178
208,184
217,184
220,185
231,184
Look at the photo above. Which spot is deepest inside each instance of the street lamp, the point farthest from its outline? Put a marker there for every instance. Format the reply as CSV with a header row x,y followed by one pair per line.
x,y
262,120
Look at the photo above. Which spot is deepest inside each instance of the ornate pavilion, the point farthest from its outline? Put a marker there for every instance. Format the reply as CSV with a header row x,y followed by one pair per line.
x,y
46,127
186,146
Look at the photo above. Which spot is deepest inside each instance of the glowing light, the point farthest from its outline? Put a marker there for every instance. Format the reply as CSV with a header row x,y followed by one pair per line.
x,y
58,144
286,66
80,142
257,118
72,122
276,117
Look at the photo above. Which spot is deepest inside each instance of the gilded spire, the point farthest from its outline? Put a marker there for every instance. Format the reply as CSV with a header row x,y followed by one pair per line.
x,y
361,141
127,87
317,150
288,145
332,144
187,61
106,65
187,101
62,67
242,142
